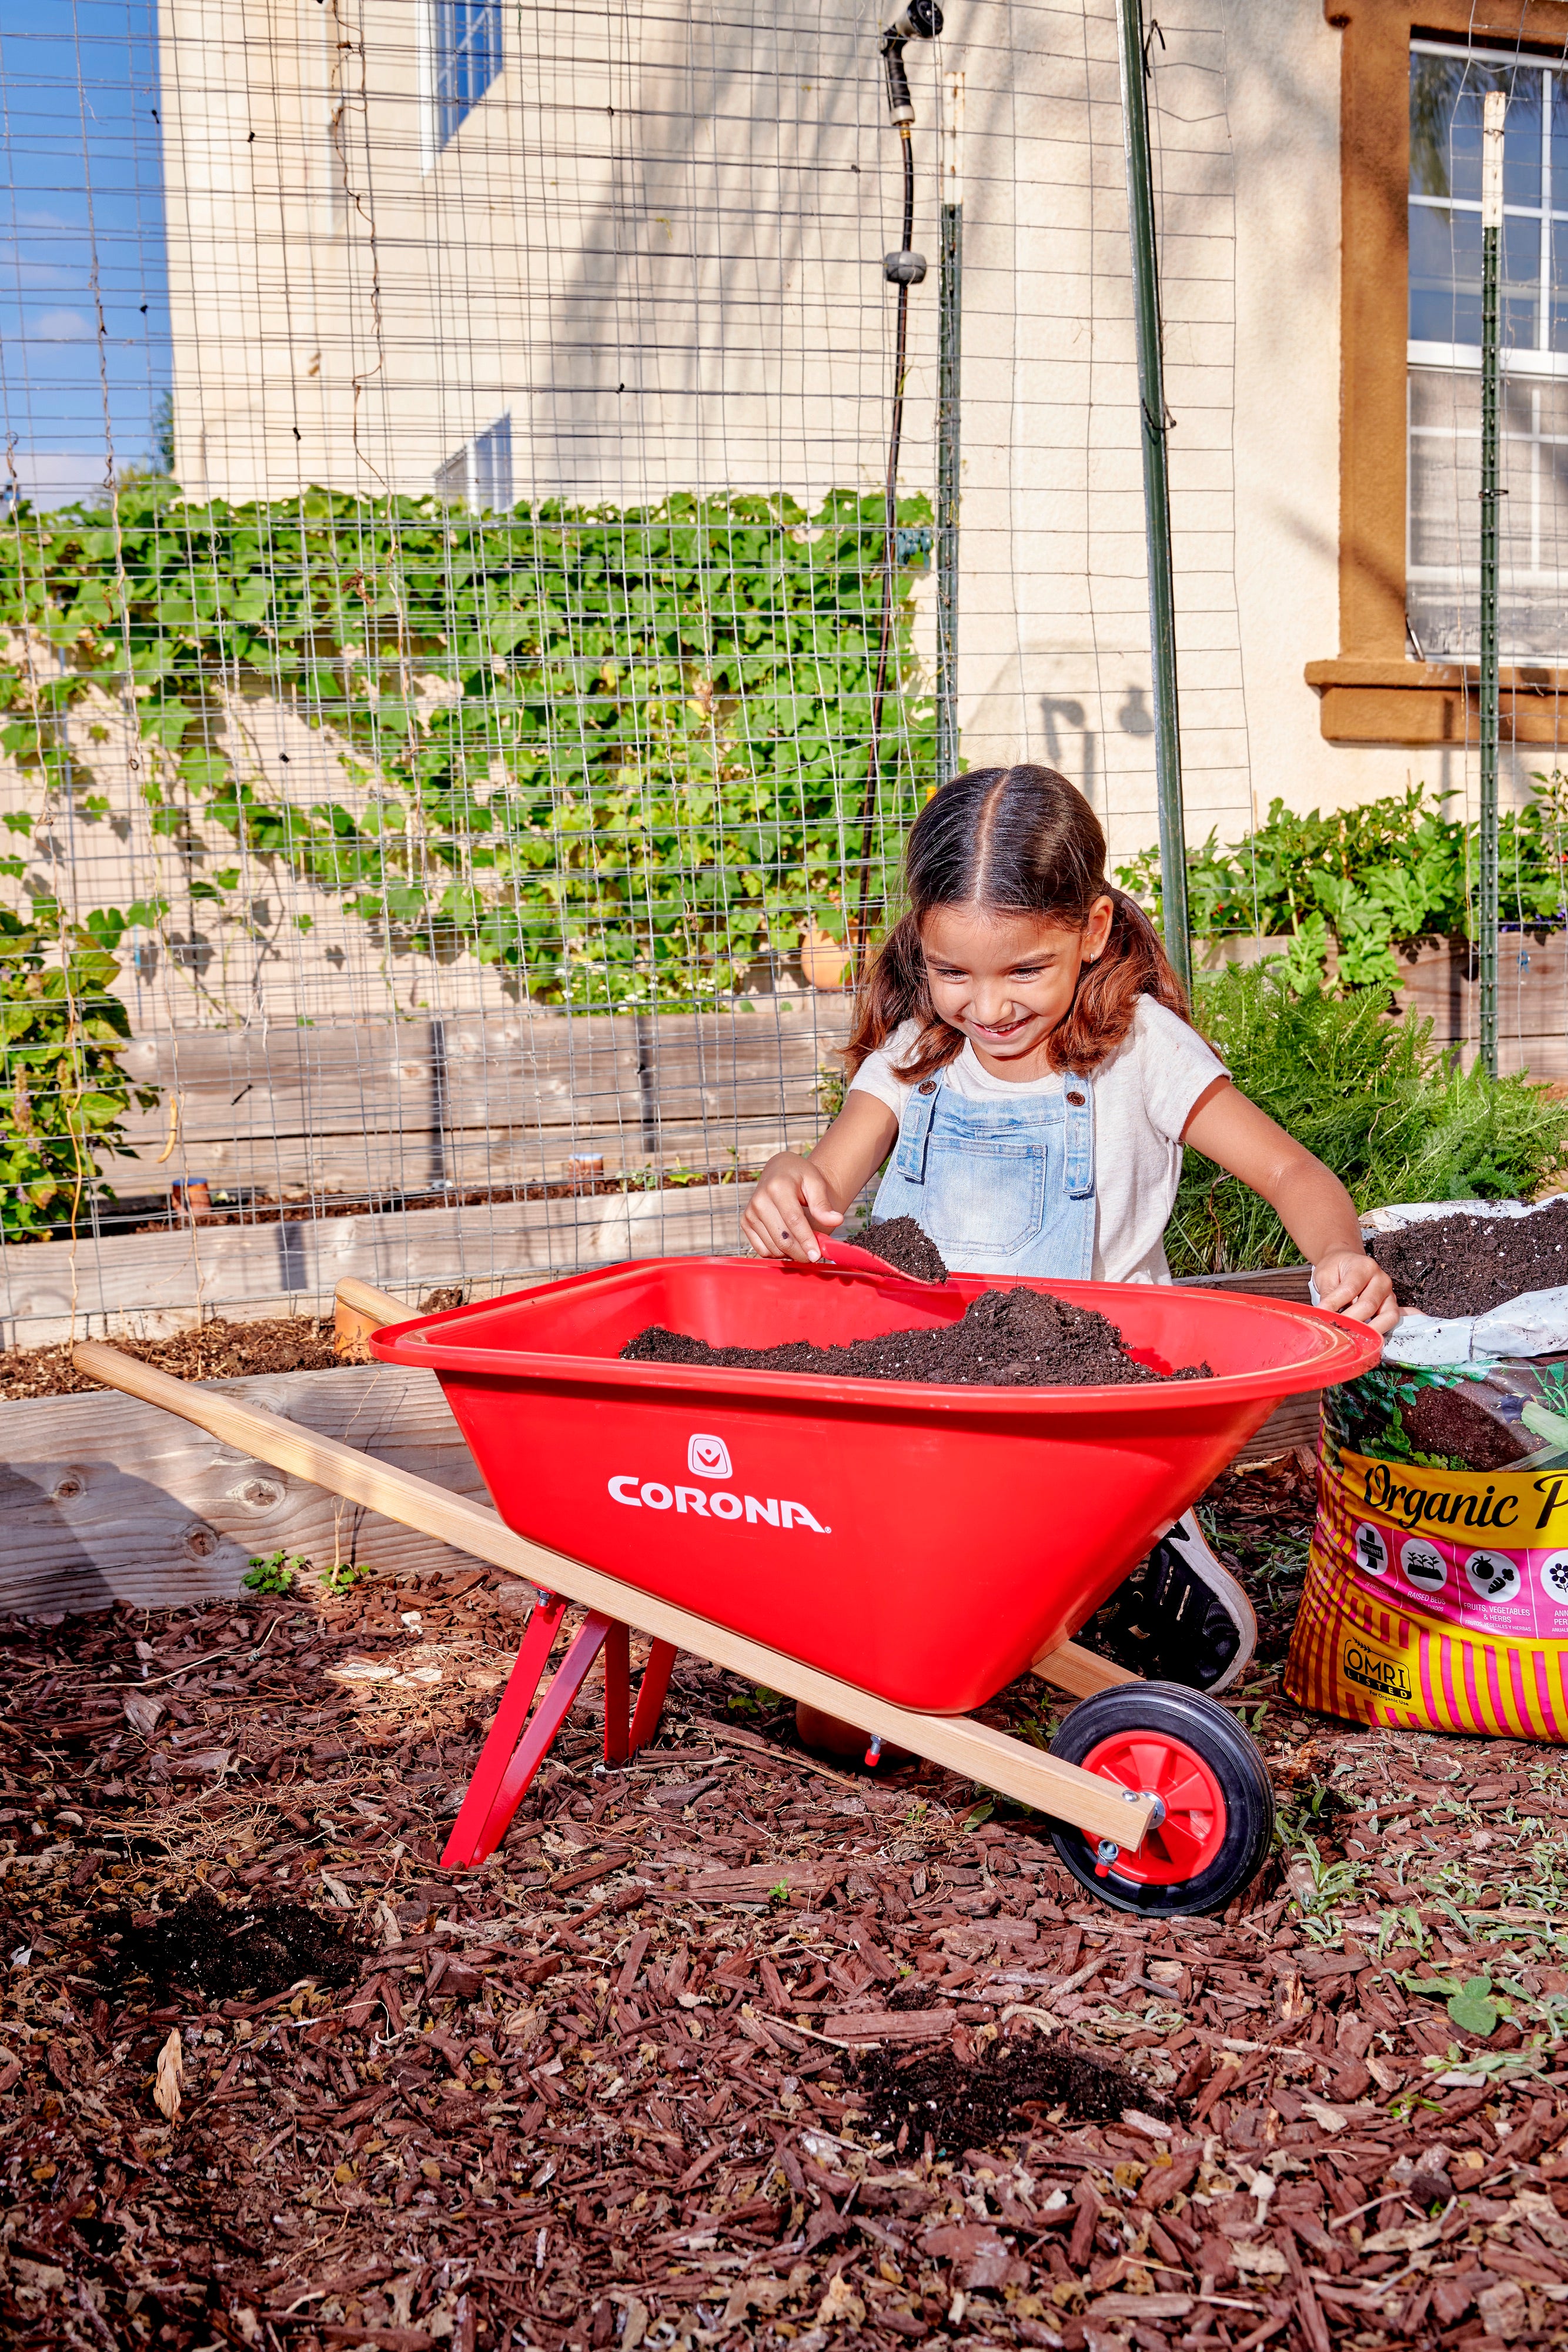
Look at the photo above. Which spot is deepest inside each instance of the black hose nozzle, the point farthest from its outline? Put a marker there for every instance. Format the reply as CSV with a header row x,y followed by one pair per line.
x,y
920,20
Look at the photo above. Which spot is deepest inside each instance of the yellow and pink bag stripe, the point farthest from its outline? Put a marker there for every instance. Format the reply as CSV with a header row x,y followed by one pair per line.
x,y
1436,1598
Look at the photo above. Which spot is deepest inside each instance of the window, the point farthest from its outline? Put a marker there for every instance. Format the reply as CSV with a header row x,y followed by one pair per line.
x,y
481,472
1413,76
465,57
1443,542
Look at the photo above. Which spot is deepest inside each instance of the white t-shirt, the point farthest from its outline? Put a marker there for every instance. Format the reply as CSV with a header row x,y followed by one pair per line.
x,y
1143,1094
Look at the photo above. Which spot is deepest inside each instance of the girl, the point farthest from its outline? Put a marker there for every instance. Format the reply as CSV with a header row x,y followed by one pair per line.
x,y
1022,1049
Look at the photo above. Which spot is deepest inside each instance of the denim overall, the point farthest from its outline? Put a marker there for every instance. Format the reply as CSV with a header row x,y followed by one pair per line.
x,y
1001,1187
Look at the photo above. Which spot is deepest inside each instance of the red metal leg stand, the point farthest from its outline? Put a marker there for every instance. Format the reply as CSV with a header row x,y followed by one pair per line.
x,y
651,1694
547,1720
616,1692
533,1657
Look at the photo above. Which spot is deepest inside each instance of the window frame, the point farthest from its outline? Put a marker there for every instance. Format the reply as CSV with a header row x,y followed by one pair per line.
x,y
442,116
1375,691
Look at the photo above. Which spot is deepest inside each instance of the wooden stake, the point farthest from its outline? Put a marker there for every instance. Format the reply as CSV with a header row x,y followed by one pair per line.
x,y
958,1742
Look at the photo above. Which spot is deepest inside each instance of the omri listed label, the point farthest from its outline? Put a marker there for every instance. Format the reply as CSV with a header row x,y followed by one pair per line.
x,y
708,1457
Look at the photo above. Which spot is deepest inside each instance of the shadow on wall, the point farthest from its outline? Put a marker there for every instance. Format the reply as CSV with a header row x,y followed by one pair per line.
x,y
1062,716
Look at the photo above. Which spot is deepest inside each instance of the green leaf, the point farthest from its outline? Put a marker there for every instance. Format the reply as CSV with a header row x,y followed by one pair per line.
x,y
1473,2013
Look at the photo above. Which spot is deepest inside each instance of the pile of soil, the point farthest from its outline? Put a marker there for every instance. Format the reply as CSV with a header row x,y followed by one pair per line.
x,y
905,1246
1006,1338
972,2105
213,1351
227,1951
1467,1265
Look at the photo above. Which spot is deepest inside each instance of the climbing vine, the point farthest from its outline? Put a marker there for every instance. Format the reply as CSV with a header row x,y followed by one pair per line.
x,y
622,754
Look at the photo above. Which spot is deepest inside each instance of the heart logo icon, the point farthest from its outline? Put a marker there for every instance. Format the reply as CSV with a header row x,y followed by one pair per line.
x,y
707,1457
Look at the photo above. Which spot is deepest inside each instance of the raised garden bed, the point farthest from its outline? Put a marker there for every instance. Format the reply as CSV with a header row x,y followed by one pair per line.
x,y
106,1500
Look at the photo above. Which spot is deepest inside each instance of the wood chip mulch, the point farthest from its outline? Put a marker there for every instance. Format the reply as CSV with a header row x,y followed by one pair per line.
x,y
736,2048
214,1350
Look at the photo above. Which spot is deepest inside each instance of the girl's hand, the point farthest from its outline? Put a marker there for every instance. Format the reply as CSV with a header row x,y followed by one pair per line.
x,y
791,1205
1350,1283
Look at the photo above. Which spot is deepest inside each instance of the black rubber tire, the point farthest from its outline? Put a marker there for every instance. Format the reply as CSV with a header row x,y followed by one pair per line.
x,y
1232,1756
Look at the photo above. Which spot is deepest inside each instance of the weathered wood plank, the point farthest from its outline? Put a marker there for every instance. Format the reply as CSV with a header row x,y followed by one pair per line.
x,y
104,1500
1442,982
50,1289
414,1105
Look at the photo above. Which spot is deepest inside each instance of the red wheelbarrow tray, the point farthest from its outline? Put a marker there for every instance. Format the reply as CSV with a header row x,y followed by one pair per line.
x,y
923,1541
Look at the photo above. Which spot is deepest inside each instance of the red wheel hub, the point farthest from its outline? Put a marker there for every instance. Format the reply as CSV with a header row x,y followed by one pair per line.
x,y
1189,1838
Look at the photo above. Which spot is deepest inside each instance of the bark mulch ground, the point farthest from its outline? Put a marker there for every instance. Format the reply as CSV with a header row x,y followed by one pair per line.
x,y
217,1350
735,2048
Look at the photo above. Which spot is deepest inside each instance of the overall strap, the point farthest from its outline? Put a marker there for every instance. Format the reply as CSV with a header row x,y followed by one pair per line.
x,y
914,1129
1078,1097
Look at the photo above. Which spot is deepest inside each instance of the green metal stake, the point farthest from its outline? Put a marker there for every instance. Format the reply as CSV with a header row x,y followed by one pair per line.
x,y
1156,483
1492,238
950,311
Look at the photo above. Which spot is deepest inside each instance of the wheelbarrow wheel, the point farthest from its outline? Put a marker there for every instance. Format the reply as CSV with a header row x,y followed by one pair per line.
x,y
1219,1820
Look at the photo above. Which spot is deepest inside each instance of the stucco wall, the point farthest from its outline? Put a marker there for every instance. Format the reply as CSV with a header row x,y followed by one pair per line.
x,y
656,244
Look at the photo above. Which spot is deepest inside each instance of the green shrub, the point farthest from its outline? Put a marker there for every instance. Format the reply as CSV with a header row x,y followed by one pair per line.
x,y
1394,1119
62,1095
1369,880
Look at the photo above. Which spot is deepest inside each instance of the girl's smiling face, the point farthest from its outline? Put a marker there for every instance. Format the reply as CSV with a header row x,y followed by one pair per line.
x,y
1006,981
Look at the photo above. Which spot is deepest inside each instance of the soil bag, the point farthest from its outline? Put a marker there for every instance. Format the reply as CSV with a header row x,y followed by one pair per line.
x,y
1437,1589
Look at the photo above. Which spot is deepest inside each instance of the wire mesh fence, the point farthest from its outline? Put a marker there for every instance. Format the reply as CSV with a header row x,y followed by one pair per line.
x,y
465,683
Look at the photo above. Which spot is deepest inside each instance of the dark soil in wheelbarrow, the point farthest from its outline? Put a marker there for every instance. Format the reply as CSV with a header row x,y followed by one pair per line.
x,y
1467,1265
1007,1338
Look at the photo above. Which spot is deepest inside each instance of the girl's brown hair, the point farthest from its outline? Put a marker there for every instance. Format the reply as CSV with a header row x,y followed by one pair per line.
x,y
1016,841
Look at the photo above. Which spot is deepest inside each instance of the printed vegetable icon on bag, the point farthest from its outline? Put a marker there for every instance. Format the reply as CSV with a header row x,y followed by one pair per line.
x,y
1491,1577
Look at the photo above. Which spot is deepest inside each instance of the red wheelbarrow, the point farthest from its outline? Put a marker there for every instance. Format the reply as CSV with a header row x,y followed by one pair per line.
x,y
893,1553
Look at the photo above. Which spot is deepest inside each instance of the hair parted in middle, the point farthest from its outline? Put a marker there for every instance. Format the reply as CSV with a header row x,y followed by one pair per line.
x,y
1012,841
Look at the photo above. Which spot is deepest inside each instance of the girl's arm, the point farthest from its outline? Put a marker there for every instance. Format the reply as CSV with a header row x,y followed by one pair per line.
x,y
796,1198
1308,1198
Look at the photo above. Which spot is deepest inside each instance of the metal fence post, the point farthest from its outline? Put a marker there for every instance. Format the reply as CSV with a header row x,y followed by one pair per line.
x,y
1157,483
950,313
1492,113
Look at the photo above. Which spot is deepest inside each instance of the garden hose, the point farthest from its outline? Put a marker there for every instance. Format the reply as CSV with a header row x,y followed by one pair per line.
x,y
921,20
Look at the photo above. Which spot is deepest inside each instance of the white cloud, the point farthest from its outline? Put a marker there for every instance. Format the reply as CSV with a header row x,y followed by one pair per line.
x,y
51,477
58,327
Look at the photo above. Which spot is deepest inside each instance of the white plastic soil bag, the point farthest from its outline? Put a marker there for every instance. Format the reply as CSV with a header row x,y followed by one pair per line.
x,y
1534,1324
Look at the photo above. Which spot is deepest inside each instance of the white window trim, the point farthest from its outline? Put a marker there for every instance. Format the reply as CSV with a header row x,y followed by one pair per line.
x,y
1465,359
428,148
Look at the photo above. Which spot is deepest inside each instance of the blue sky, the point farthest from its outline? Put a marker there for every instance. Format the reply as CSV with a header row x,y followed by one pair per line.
x,y
81,225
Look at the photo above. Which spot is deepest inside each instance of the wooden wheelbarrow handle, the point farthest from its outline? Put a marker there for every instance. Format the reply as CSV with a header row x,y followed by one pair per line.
x,y
958,1742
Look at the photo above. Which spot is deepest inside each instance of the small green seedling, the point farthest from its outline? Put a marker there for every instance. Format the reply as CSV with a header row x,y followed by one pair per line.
x,y
1471,2006
344,1575
274,1574
781,1894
